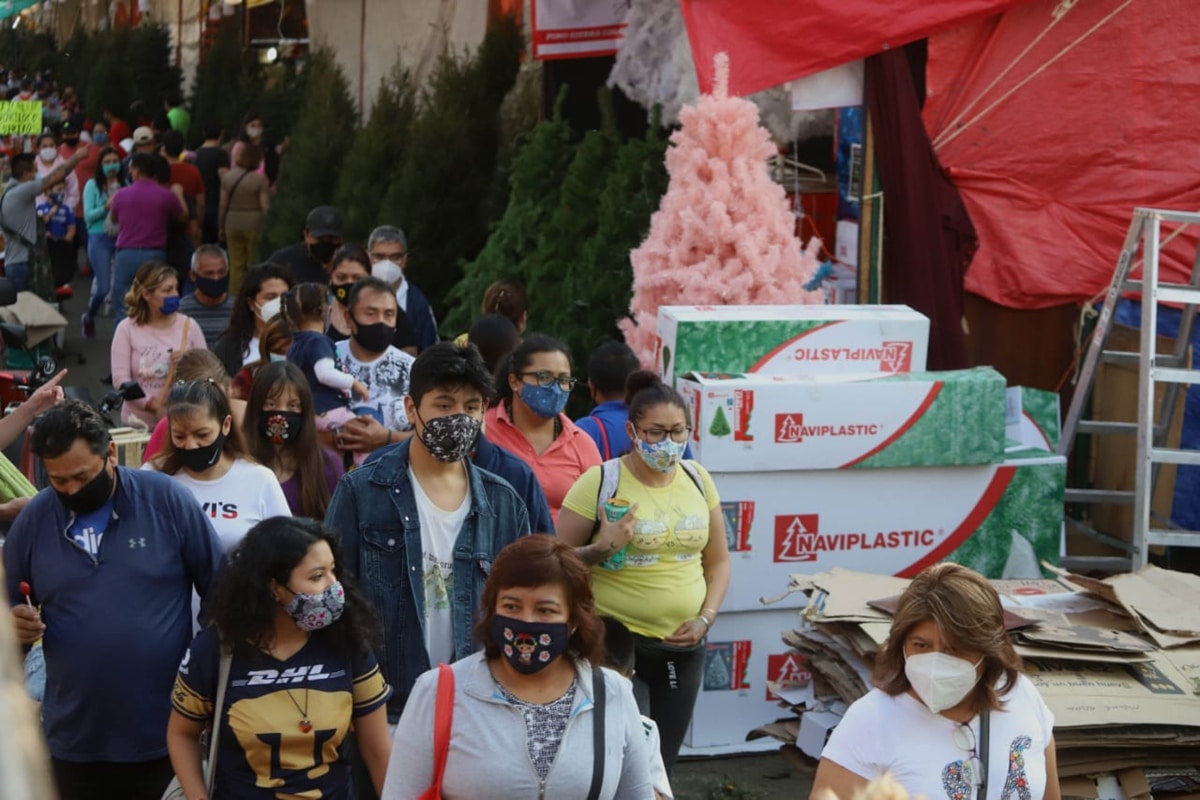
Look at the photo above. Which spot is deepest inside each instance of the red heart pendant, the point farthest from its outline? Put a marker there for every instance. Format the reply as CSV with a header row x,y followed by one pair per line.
x,y
305,726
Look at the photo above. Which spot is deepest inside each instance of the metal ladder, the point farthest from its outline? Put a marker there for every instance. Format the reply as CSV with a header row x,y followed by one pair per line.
x,y
1173,370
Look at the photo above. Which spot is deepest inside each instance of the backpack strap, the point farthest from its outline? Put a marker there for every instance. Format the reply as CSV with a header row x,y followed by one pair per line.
x,y
604,435
693,471
597,734
610,476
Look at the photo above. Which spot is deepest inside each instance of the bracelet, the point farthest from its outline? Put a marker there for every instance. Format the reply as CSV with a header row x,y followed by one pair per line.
x,y
704,619
389,439
713,610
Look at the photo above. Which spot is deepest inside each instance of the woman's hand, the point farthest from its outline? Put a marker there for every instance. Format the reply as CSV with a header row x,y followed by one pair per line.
x,y
612,536
689,634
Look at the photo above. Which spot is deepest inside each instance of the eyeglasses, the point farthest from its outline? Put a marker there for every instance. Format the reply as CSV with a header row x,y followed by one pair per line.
x,y
545,377
964,739
656,435
388,256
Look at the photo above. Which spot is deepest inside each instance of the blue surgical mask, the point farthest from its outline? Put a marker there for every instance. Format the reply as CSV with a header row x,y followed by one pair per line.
x,y
111,169
276,357
100,138
545,401
171,304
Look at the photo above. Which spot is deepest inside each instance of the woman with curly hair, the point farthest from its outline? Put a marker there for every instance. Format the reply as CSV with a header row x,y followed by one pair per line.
x,y
298,634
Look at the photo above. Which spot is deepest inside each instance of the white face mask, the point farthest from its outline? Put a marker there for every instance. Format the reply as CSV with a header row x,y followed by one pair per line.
x,y
270,309
387,271
254,131
940,680
48,154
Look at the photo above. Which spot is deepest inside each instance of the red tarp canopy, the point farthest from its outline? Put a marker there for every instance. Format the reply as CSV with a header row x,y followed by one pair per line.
x,y
1055,120
774,41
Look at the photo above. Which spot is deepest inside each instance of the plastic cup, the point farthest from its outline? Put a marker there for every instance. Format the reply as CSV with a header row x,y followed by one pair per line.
x,y
616,508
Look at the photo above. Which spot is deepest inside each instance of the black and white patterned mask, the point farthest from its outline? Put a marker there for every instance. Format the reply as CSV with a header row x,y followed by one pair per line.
x,y
450,438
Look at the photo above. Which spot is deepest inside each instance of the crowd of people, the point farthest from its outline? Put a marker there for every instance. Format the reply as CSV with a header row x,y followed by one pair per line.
x,y
335,501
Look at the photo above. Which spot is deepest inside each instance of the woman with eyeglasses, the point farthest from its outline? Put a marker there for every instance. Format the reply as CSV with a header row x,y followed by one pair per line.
x,y
662,568
528,421
951,716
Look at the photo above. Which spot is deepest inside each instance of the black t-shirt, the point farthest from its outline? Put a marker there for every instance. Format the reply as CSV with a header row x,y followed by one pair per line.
x,y
210,160
302,267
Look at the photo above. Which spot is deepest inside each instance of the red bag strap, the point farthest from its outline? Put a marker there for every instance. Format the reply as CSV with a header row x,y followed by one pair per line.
x,y
443,718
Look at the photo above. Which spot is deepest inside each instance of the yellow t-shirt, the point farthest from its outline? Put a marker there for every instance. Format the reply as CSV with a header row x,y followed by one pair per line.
x,y
660,584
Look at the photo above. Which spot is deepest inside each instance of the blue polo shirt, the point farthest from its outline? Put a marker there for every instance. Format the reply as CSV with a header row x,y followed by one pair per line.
x,y
606,426
117,623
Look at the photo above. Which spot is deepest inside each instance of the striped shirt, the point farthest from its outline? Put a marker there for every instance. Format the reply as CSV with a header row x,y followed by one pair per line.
x,y
213,320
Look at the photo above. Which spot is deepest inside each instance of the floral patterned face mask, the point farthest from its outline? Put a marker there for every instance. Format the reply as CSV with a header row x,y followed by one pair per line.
x,y
280,426
450,438
661,456
529,646
311,612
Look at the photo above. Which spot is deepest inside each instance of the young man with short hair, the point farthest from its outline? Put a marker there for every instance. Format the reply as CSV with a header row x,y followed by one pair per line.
x,y
110,556
18,211
420,524
608,368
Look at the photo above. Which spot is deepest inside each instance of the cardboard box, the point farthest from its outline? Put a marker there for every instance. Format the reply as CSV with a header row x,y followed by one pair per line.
x,y
745,650
1001,520
1032,417
841,288
776,423
791,340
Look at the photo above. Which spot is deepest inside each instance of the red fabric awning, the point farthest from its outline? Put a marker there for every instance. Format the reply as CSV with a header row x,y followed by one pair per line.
x,y
774,41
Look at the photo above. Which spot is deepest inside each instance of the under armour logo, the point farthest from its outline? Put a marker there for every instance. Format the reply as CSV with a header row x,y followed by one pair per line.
x,y
135,543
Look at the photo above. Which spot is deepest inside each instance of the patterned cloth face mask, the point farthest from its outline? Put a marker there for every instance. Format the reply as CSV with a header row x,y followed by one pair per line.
x,y
280,426
311,612
660,456
450,438
545,401
530,646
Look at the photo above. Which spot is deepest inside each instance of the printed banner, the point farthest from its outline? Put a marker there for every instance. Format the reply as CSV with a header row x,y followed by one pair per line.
x,y
21,117
577,28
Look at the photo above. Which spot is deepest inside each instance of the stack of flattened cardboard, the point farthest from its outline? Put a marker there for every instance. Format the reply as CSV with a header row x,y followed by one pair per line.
x,y
1116,660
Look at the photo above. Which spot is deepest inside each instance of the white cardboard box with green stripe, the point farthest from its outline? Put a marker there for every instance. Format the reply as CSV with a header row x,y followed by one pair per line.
x,y
999,519
790,340
767,423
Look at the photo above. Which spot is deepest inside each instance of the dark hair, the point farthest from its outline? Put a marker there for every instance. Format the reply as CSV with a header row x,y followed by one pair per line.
x,y
495,335
243,607
56,430
306,452
508,298
101,178
305,302
162,169
172,142
520,358
618,646
47,134
250,116
447,365
968,614
610,366
538,560
368,285
644,390
206,398
212,130
22,165
174,98
145,163
350,252
241,319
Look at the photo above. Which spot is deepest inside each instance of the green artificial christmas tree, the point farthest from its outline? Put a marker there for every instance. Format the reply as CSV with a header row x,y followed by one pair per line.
x,y
536,184
110,81
439,195
720,425
75,61
152,68
379,146
223,88
561,300
323,135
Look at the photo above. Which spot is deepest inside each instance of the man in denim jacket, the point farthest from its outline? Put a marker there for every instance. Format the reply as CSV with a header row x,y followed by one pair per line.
x,y
421,525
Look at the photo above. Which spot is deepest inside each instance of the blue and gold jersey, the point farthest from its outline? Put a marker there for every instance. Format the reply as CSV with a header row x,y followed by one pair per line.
x,y
283,722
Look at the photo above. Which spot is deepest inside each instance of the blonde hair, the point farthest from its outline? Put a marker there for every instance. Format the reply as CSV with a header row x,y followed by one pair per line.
x,y
968,614
150,275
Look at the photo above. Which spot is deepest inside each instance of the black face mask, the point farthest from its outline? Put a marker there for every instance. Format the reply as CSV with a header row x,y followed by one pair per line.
x,y
341,292
374,338
202,458
92,495
280,426
322,252
211,287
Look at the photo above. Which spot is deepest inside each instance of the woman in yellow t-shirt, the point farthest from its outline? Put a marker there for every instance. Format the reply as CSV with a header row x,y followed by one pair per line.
x,y
663,568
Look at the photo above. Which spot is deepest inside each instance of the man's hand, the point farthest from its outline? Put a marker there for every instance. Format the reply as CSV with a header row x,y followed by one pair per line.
x,y
10,509
362,435
48,394
28,624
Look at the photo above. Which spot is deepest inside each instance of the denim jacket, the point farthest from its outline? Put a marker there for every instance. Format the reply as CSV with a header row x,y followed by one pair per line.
x,y
375,514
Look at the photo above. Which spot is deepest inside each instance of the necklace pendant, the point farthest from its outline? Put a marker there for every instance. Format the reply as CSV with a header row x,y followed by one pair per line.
x,y
305,726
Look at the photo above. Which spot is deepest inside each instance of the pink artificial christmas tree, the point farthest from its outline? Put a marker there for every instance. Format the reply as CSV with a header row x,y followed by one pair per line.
x,y
723,233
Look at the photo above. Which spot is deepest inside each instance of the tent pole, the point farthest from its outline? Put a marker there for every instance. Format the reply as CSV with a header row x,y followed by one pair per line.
x,y
870,230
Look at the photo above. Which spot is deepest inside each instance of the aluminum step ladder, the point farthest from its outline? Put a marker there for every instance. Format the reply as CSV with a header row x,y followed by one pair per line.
x,y
1173,370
